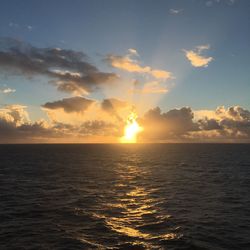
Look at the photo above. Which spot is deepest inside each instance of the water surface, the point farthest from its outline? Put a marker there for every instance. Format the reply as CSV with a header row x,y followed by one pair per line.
x,y
155,196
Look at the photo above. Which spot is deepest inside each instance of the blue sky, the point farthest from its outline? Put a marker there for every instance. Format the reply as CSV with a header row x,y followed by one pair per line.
x,y
101,27
161,32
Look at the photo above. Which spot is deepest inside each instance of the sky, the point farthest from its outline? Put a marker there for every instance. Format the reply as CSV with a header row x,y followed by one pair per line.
x,y
74,71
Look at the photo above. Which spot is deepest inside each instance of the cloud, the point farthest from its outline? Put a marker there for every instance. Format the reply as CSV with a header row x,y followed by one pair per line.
x,y
87,128
231,2
195,57
99,127
235,113
153,87
7,90
16,127
232,124
69,105
76,110
127,63
133,52
178,125
29,27
70,87
209,124
68,70
13,25
15,114
175,11
160,126
16,26
210,3
114,106
113,103
161,74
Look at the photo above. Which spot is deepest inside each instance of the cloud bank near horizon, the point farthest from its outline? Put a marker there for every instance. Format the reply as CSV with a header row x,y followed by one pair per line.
x,y
176,125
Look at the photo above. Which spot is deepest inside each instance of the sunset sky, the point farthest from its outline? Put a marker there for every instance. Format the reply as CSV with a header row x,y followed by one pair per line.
x,y
73,71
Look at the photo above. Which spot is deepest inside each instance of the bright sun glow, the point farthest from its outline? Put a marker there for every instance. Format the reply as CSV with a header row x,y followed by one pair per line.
x,y
131,129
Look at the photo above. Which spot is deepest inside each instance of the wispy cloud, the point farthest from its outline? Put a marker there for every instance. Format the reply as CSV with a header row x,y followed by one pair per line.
x,y
13,25
7,90
231,2
133,52
129,64
29,27
195,57
153,87
175,11
211,3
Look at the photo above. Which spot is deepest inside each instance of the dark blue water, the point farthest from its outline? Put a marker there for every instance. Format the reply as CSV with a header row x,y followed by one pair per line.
x,y
163,196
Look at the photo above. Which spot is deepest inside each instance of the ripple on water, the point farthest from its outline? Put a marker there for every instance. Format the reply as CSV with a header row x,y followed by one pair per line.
x,y
128,197
135,213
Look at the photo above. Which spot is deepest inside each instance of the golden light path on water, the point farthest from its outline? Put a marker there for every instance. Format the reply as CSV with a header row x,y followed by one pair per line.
x,y
135,209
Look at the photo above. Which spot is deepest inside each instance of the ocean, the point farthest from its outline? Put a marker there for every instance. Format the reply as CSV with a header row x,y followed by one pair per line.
x,y
126,196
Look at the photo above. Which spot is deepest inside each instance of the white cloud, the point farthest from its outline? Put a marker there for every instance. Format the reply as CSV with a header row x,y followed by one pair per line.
x,y
15,114
7,91
175,11
133,52
195,57
29,27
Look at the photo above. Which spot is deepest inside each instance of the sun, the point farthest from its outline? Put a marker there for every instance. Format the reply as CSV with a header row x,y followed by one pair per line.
x,y
131,129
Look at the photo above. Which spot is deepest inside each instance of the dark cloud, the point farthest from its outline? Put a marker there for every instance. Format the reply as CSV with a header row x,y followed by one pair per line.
x,y
73,104
228,124
172,124
209,124
26,133
69,70
112,107
234,117
99,127
234,120
15,127
89,128
6,127
238,112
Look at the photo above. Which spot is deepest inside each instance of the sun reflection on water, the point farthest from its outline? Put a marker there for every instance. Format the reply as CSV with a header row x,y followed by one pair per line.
x,y
134,210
